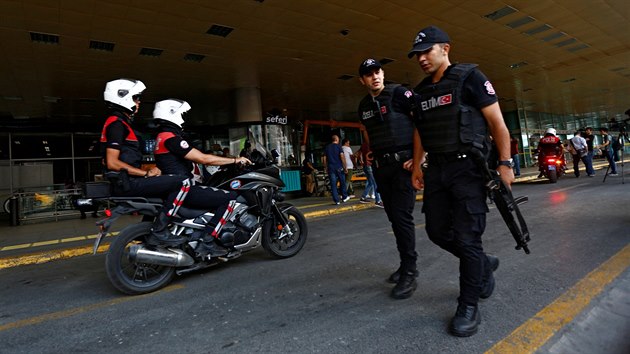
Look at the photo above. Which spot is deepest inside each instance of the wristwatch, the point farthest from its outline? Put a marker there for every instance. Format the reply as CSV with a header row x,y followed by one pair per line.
x,y
509,163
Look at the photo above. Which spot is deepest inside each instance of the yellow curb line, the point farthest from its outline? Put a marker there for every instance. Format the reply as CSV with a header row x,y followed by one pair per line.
x,y
536,331
48,256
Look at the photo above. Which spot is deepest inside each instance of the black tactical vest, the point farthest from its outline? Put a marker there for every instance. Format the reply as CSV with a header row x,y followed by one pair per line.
x,y
445,123
389,131
130,152
166,161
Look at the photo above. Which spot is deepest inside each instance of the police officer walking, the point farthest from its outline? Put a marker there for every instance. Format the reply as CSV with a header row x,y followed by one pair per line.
x,y
386,113
457,107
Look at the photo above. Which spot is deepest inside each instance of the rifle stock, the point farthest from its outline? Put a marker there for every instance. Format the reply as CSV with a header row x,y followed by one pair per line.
x,y
505,202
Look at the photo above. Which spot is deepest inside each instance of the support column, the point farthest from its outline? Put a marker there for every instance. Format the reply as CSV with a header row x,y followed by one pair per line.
x,y
247,92
248,104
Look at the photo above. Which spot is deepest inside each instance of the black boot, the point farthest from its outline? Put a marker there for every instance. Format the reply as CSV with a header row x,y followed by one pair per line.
x,y
161,235
466,321
488,284
406,285
395,276
209,247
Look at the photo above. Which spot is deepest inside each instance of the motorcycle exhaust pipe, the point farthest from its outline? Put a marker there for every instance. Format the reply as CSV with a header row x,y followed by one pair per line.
x,y
163,257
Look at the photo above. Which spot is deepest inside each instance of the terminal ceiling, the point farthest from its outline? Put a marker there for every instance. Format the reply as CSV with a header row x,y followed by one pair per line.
x,y
556,56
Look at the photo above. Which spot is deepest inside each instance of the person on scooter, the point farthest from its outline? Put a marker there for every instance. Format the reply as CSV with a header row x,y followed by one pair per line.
x,y
549,145
175,156
122,159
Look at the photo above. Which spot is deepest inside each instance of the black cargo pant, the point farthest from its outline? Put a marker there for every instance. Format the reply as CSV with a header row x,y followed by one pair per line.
x,y
399,198
165,187
454,204
168,187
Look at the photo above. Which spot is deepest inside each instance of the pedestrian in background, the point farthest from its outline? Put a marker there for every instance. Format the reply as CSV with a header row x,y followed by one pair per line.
x,y
309,173
348,156
386,113
588,136
607,151
334,163
365,156
515,155
455,190
579,151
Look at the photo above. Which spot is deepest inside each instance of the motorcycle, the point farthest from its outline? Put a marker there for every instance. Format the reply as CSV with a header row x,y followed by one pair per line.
x,y
258,217
552,167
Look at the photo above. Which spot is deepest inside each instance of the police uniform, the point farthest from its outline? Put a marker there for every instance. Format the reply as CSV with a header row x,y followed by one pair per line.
x,y
170,151
450,124
387,119
118,134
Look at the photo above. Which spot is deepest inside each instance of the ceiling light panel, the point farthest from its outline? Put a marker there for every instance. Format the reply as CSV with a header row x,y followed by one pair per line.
x,y
502,12
220,30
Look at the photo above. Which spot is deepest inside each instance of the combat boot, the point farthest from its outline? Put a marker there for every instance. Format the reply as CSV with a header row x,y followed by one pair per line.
x,y
488,284
466,321
160,234
406,285
209,247
395,276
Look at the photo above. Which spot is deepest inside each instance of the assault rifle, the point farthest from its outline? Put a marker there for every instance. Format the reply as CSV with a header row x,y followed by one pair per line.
x,y
505,202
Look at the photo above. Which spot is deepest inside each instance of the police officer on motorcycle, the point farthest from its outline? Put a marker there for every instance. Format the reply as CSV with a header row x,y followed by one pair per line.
x,y
386,113
549,145
175,156
122,158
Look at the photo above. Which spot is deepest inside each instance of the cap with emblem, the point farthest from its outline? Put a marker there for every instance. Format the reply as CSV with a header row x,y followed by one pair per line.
x,y
426,38
368,65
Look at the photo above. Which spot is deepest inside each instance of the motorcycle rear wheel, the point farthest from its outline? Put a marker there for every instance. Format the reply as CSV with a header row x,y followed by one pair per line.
x,y
134,278
275,240
553,176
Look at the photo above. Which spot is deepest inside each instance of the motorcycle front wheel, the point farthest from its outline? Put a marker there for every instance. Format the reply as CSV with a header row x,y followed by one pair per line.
x,y
284,241
130,277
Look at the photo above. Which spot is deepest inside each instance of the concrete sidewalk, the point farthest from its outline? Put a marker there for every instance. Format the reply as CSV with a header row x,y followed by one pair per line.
x,y
50,240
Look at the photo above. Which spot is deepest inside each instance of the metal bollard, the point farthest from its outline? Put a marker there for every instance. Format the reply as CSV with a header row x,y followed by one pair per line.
x,y
14,211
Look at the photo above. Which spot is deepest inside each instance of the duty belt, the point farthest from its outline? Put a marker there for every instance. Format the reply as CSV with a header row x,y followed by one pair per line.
x,y
440,157
392,158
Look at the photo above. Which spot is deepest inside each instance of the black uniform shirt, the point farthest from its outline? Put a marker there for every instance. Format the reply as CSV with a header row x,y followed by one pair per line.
x,y
116,133
477,91
178,146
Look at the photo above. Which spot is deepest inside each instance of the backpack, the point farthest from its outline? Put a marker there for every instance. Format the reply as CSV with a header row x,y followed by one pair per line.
x,y
616,144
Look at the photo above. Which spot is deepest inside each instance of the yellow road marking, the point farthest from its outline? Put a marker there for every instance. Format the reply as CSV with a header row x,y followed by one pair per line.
x,y
79,310
44,257
536,331
52,242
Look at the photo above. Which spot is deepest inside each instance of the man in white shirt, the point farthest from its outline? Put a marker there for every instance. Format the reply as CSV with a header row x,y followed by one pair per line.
x,y
348,155
579,150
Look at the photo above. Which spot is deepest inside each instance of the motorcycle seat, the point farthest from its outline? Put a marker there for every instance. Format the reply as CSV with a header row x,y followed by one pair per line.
x,y
188,213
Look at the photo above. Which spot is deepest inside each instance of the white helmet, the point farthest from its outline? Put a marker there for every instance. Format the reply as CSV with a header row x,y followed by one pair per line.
x,y
551,131
121,93
171,110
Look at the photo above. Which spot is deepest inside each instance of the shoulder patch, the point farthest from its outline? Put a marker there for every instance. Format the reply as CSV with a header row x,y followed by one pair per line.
x,y
489,88
408,93
184,144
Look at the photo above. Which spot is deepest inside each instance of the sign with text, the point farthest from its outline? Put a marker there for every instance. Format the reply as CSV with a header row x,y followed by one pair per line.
x,y
277,119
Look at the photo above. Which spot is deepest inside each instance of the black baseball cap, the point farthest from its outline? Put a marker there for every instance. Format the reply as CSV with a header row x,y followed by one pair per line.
x,y
426,38
368,65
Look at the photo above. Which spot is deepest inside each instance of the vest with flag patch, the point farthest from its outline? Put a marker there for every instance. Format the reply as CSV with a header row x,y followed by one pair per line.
x,y
445,123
